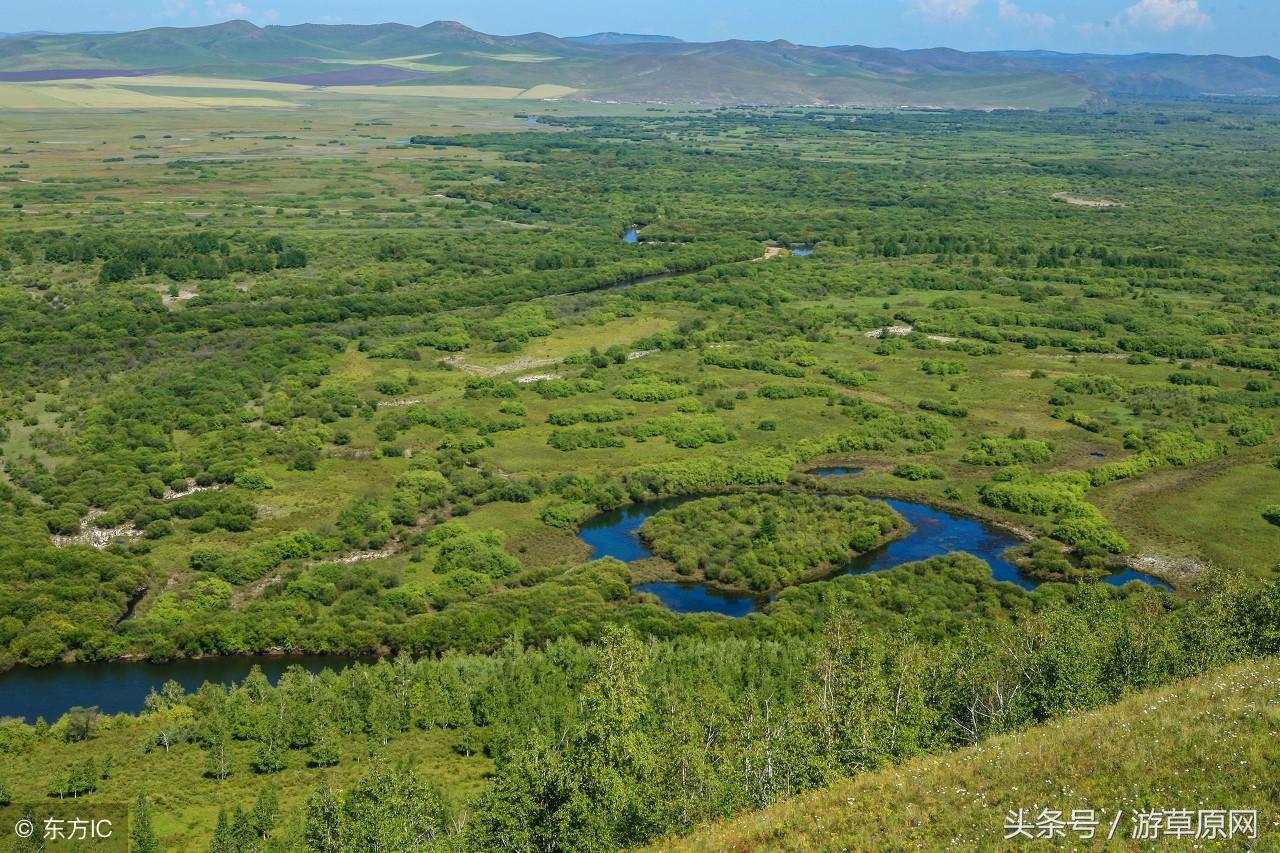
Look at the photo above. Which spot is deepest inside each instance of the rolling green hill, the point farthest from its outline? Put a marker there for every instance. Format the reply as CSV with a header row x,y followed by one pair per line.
x,y
630,68
601,67
1207,743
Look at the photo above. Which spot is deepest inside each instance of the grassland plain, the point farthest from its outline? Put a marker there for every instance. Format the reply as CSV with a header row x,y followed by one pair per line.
x,y
999,337
352,373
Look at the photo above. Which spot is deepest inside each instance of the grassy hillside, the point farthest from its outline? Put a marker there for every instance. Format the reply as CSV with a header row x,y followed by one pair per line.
x,y
621,67
446,54
1208,743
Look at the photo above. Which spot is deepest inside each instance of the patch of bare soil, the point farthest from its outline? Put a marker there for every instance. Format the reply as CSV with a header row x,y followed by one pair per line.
x,y
101,537
890,331
249,592
183,296
1180,571
361,556
1081,201
191,489
387,404
97,537
460,363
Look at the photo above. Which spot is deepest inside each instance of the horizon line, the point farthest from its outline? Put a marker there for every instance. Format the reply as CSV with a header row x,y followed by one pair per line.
x,y
677,39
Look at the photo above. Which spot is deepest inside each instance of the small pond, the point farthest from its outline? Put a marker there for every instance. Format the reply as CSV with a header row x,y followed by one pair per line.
x,y
631,235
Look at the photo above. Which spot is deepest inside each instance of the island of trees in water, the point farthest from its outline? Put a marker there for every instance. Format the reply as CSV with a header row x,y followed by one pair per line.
x,y
763,541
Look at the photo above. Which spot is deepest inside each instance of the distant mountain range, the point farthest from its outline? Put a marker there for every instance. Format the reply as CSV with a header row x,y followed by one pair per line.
x,y
51,33
635,68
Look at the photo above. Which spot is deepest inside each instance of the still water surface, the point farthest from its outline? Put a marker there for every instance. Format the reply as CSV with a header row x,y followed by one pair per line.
x,y
122,686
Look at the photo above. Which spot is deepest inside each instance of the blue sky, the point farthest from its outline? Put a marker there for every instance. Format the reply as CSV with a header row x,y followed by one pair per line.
x,y
1240,27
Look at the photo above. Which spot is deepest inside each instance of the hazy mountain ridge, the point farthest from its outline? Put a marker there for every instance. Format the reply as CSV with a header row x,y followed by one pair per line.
x,y
644,68
604,39
1203,74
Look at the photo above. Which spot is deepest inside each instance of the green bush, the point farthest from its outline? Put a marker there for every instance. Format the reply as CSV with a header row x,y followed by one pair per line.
x,y
589,414
565,515
950,408
916,471
651,391
253,479
1000,451
845,377
573,439
935,367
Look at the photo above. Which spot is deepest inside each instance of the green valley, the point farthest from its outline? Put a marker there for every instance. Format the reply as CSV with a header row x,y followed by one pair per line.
x,y
686,474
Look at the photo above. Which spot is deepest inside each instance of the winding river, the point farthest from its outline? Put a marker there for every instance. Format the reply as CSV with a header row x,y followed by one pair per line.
x,y
122,686
934,533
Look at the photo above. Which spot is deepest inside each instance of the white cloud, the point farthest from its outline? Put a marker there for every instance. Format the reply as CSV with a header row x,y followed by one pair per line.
x,y
237,10
944,10
1165,15
1012,12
